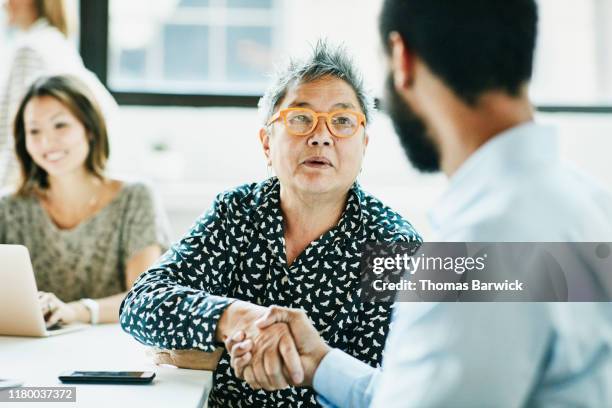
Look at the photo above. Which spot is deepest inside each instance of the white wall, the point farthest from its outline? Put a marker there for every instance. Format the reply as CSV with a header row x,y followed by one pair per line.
x,y
214,149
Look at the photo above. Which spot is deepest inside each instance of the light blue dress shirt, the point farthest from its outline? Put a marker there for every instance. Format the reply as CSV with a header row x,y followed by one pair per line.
x,y
514,188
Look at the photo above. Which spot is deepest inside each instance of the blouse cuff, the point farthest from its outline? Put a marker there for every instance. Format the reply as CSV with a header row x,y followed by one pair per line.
x,y
205,319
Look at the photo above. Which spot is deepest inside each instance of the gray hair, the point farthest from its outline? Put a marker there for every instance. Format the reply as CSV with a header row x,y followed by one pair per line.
x,y
325,60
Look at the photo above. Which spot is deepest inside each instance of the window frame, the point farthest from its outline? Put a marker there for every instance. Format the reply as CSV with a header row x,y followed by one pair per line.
x,y
93,46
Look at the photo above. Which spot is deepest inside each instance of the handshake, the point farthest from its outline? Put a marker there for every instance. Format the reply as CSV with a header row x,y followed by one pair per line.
x,y
270,348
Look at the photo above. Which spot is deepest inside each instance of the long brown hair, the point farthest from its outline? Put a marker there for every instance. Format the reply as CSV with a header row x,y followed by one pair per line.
x,y
58,14
76,97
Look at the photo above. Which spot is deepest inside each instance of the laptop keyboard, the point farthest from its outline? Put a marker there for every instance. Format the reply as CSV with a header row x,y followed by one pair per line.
x,y
56,326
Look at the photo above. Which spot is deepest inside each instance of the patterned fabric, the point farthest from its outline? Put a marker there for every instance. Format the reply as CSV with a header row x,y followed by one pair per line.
x,y
89,260
236,250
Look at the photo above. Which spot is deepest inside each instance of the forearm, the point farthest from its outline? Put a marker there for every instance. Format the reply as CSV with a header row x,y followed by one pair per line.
x,y
237,316
161,312
108,311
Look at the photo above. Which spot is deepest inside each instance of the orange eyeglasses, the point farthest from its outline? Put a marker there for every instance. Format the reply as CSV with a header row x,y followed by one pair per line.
x,y
302,121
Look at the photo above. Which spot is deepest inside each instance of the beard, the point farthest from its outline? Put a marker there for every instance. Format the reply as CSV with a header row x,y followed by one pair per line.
x,y
411,130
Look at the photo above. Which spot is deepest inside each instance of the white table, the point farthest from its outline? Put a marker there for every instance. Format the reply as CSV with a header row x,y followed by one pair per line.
x,y
39,361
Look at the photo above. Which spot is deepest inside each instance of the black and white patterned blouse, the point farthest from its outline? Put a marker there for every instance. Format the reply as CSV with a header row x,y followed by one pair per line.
x,y
236,250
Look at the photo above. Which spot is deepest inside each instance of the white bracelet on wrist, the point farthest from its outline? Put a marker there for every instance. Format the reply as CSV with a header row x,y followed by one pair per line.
x,y
94,309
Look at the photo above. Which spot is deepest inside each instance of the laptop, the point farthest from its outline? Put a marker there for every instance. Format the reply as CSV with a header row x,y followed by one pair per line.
x,y
20,313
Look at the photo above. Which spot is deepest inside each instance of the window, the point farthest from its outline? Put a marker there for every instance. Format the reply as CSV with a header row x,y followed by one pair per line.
x,y
220,52
574,53
191,46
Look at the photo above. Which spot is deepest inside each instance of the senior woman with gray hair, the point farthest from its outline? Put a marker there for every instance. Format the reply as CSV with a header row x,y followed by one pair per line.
x,y
293,240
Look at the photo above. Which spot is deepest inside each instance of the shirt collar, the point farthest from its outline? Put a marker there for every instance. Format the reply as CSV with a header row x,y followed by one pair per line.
x,y
505,153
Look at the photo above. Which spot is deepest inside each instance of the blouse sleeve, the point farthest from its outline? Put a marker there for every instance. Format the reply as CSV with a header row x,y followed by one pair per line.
x,y
177,303
27,64
145,223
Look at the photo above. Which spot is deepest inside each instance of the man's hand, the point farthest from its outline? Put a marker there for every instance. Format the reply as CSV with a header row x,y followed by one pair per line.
x,y
310,346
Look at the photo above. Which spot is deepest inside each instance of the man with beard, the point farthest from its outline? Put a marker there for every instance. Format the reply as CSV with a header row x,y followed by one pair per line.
x,y
457,94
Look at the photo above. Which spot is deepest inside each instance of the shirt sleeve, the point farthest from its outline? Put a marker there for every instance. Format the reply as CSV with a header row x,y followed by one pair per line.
x,y
435,357
146,223
343,381
177,303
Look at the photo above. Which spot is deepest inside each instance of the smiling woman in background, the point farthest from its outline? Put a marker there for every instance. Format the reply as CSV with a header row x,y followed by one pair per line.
x,y
42,46
89,236
295,239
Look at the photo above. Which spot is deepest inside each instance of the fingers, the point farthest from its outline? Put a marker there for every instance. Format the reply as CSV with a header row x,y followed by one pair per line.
x,y
275,314
242,348
240,357
44,300
237,337
162,357
276,365
273,368
249,377
260,373
240,364
55,317
50,307
265,369
291,358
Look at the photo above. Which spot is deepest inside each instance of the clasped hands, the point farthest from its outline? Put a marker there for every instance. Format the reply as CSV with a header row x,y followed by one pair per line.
x,y
279,348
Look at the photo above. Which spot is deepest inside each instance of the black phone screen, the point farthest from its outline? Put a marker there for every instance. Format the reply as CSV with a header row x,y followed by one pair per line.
x,y
108,376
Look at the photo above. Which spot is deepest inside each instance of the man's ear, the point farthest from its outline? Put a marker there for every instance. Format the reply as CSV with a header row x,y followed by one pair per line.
x,y
264,138
402,62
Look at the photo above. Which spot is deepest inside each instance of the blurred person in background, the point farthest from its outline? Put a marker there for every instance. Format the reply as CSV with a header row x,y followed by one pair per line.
x,y
89,236
42,45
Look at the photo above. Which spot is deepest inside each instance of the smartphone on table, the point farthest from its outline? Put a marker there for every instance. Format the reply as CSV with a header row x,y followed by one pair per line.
x,y
107,377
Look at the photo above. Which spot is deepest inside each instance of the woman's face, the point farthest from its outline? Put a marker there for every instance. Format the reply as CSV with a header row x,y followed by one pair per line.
x,y
318,162
55,139
21,13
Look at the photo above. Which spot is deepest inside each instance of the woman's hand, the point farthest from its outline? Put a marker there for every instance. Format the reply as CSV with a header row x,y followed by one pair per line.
x,y
191,359
240,316
56,311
